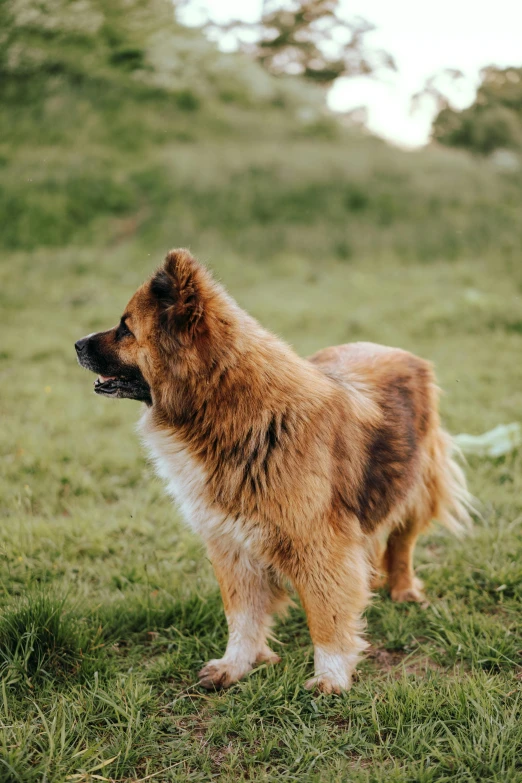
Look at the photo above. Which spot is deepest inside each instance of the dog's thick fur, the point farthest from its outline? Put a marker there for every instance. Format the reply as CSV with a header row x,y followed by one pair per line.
x,y
319,472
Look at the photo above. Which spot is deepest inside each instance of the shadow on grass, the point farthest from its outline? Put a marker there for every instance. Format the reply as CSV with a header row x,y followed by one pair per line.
x,y
43,639
40,639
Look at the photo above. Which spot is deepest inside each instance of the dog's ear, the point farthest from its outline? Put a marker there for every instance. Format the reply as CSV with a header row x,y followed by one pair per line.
x,y
179,288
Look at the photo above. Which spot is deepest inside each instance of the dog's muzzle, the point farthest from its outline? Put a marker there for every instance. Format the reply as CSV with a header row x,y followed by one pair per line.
x,y
122,383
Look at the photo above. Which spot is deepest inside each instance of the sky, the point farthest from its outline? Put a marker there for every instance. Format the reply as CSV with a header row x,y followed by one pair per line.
x,y
424,38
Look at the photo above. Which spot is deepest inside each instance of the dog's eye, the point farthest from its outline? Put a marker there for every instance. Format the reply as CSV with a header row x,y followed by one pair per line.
x,y
123,330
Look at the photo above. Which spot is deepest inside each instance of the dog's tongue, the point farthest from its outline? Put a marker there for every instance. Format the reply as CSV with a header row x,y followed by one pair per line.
x,y
103,378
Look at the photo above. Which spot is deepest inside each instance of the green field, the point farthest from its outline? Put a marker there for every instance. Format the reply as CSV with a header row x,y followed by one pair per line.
x,y
109,605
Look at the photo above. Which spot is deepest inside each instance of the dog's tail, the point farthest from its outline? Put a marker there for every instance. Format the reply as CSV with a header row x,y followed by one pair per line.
x,y
454,502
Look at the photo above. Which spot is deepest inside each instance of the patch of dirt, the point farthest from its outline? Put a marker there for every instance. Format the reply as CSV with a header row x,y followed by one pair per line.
x,y
397,661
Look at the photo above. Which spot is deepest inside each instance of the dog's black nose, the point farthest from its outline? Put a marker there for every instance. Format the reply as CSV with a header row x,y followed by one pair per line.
x,y
80,344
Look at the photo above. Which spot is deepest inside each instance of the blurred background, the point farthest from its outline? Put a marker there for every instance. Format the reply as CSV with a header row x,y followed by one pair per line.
x,y
248,131
257,131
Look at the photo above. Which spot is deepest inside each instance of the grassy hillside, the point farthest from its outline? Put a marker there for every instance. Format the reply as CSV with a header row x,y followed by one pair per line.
x,y
117,124
111,154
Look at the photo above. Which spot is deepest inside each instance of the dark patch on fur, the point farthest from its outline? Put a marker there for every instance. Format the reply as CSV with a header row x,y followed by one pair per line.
x,y
390,457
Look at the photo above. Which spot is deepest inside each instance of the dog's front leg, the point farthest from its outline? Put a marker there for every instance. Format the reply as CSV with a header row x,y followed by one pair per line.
x,y
333,584
251,595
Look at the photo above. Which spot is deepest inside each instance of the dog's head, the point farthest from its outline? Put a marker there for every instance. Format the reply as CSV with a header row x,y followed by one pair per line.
x,y
172,328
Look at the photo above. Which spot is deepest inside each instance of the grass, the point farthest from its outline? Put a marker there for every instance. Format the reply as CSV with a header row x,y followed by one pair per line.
x,y
109,603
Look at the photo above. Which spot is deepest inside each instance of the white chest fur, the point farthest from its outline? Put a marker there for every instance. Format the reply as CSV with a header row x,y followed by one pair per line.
x,y
186,482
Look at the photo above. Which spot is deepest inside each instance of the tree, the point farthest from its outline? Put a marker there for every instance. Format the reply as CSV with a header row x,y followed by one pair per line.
x,y
493,121
309,38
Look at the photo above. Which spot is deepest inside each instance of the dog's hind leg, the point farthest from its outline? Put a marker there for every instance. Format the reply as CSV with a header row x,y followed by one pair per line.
x,y
376,547
441,495
398,561
252,594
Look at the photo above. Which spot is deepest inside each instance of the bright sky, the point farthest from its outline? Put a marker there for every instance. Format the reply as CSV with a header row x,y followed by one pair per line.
x,y
424,37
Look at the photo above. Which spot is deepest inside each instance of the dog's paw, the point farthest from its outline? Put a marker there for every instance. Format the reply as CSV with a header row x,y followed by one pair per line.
x,y
413,593
325,684
224,672
220,673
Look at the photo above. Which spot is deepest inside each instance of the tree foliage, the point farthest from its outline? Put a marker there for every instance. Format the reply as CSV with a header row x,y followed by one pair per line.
x,y
123,48
310,38
493,121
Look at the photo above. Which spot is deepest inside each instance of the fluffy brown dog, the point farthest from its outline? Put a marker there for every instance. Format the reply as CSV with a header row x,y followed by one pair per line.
x,y
317,472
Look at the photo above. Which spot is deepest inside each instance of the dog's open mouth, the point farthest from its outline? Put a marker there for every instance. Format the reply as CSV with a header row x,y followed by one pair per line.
x,y
129,388
109,385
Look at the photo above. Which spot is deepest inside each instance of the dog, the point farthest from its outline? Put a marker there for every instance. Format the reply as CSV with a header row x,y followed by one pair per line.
x,y
318,473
